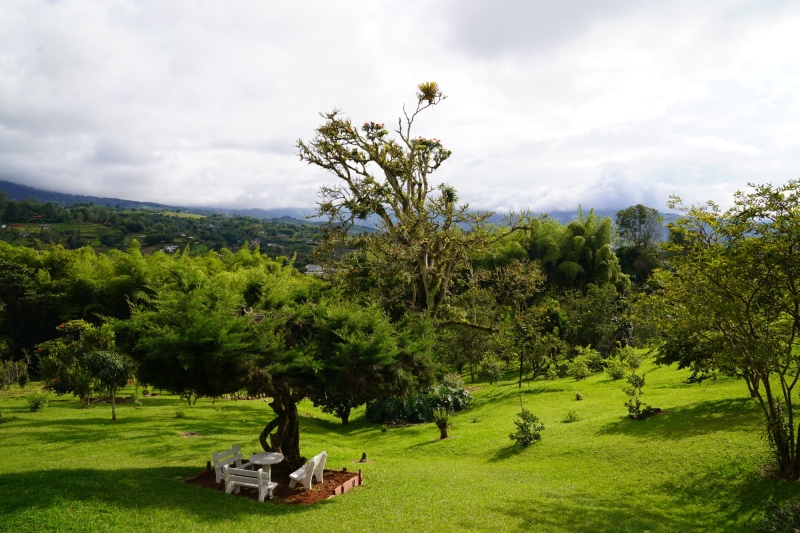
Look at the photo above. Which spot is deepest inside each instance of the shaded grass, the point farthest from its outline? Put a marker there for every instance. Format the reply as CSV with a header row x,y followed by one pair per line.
x,y
696,467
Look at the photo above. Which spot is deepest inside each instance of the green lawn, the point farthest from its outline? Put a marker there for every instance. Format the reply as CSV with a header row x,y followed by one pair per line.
x,y
695,468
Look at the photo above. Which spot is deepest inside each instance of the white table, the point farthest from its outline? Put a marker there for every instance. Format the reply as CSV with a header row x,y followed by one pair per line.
x,y
266,458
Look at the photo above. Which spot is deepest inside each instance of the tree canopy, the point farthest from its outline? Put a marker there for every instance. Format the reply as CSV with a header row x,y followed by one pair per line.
x,y
731,303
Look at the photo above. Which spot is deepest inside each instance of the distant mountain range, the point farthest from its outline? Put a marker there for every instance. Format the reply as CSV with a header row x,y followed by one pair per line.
x,y
16,191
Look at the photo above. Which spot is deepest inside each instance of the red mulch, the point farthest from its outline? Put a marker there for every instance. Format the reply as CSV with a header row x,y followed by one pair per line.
x,y
283,494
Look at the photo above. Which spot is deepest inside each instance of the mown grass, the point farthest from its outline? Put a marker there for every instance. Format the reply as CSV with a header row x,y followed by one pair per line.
x,y
697,467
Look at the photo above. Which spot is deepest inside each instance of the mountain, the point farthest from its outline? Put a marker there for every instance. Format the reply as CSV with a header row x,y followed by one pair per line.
x,y
294,215
18,192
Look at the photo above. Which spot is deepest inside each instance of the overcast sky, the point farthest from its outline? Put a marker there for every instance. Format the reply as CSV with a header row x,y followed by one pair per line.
x,y
550,103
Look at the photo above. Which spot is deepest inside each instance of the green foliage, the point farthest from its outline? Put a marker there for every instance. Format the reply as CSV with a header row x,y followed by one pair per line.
x,y
572,416
13,372
441,417
37,401
629,356
111,370
578,396
637,409
492,368
579,368
529,429
779,518
449,395
732,301
616,368
578,254
365,357
639,227
411,263
63,361
180,413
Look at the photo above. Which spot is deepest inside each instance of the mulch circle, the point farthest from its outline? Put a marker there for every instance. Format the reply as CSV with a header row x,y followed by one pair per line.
x,y
333,479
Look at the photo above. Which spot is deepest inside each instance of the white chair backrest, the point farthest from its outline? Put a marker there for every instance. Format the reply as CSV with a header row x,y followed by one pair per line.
x,y
224,458
320,458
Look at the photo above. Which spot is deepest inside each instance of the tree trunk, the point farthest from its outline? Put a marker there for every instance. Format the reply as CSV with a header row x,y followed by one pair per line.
x,y
286,439
443,432
345,416
113,405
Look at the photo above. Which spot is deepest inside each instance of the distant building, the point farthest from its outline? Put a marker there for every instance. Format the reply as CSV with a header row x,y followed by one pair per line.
x,y
314,270
170,249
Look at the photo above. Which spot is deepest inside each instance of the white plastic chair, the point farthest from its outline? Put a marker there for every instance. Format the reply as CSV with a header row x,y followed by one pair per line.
x,y
306,473
235,478
228,457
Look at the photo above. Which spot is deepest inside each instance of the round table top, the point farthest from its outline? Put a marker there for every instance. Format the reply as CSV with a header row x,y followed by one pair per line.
x,y
266,458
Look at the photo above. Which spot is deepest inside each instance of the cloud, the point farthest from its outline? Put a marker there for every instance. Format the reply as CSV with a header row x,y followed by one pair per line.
x,y
550,103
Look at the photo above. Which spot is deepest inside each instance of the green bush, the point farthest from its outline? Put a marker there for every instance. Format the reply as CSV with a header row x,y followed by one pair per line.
x,y
37,401
23,378
441,417
419,408
529,429
579,369
629,356
180,414
492,369
592,358
637,409
572,416
780,518
616,368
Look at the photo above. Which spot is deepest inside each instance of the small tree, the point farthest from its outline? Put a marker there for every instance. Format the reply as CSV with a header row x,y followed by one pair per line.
x,y
112,370
441,417
529,429
63,361
637,409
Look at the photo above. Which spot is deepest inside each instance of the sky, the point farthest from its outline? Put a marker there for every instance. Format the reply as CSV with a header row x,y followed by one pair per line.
x,y
551,103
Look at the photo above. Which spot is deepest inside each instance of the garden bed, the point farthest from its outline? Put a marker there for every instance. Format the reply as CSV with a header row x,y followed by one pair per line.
x,y
336,482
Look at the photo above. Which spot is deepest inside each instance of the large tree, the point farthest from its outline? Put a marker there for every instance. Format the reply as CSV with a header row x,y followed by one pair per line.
x,y
245,322
731,303
425,232
640,229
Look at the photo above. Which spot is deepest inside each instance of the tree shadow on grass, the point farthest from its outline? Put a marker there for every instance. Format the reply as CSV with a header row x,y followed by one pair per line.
x,y
695,502
136,489
684,422
506,453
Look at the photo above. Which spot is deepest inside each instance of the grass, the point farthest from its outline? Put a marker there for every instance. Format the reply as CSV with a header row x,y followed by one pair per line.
x,y
696,467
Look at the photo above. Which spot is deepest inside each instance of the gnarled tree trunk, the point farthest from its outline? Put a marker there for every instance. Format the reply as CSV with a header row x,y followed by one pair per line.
x,y
286,439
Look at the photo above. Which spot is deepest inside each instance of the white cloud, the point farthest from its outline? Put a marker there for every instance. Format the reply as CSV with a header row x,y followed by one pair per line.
x,y
551,103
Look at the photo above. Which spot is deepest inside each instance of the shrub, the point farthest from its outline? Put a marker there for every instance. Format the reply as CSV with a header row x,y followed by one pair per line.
x,y
492,369
37,401
22,380
592,358
384,428
780,518
180,414
441,417
572,416
616,368
629,356
529,429
637,409
578,396
11,372
579,369
418,408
